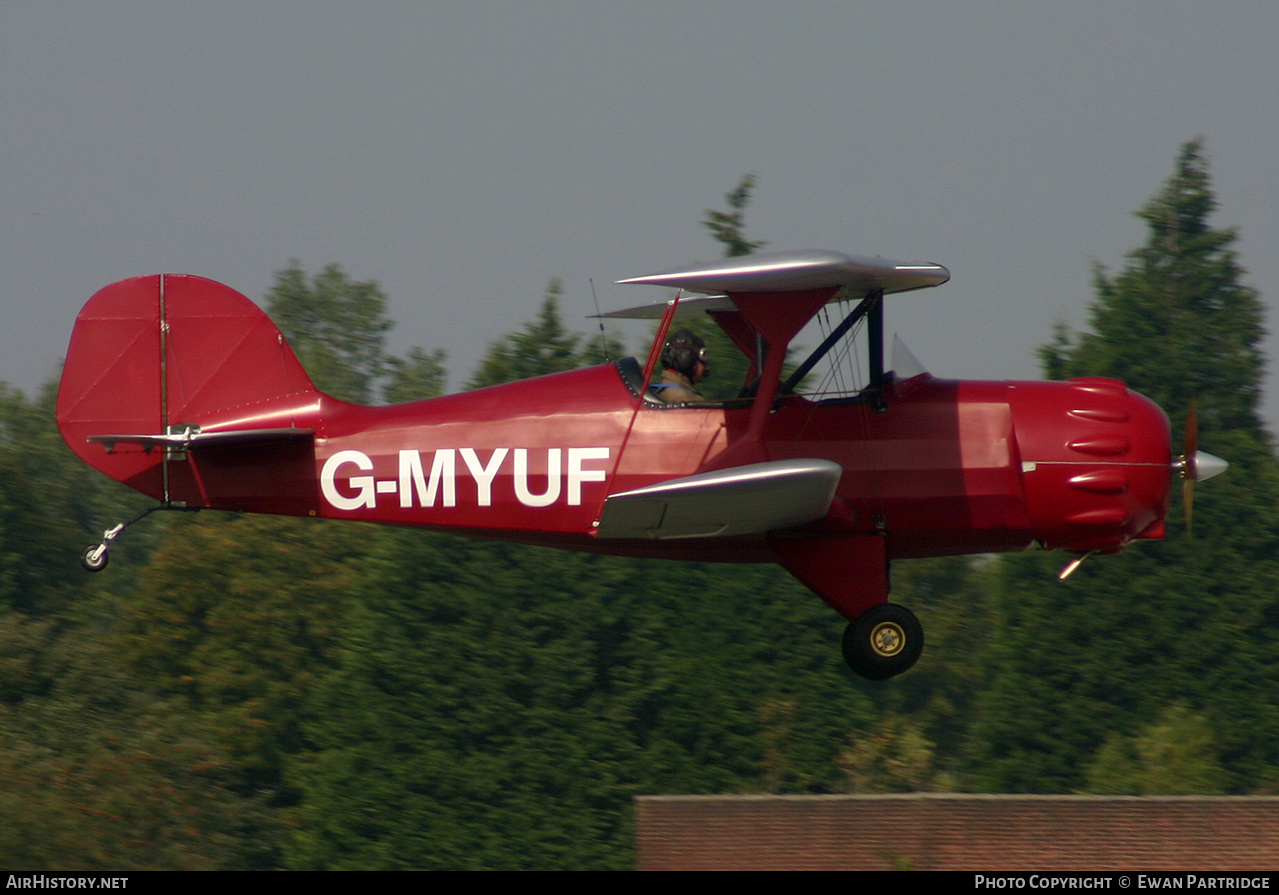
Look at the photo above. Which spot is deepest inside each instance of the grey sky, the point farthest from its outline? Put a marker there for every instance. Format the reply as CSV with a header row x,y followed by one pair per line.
x,y
465,153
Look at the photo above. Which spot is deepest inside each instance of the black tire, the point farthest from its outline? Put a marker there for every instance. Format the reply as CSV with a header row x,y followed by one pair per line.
x,y
92,564
884,641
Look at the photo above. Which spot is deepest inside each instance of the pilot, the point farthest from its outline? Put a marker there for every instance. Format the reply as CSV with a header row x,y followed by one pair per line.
x,y
683,366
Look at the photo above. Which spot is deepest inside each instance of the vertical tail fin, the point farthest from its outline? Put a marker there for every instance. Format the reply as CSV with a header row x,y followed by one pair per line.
x,y
166,353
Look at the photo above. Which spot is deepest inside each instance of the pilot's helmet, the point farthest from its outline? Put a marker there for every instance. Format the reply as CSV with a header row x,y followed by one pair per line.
x,y
683,349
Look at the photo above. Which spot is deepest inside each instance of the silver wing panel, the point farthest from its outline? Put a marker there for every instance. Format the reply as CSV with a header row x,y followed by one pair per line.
x,y
727,502
796,271
688,307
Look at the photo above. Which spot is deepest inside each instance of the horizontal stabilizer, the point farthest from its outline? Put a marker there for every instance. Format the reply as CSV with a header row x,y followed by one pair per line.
x,y
741,500
192,439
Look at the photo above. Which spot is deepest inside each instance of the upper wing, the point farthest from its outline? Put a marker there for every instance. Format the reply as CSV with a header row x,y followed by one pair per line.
x,y
783,272
800,271
740,500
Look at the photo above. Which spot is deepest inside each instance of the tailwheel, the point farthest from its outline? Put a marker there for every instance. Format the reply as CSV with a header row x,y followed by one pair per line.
x,y
94,558
884,641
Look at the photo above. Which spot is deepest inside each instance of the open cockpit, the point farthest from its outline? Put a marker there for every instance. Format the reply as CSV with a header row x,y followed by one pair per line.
x,y
758,305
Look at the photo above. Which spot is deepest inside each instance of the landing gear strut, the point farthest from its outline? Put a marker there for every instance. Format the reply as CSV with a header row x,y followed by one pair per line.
x,y
884,641
95,556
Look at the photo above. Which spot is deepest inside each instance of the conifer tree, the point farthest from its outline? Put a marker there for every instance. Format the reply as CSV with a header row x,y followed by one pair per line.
x,y
729,227
1178,322
543,346
417,376
1099,658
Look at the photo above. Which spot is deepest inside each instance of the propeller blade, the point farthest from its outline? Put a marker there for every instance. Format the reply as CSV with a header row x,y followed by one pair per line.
x,y
1195,466
1192,442
1188,500
1189,466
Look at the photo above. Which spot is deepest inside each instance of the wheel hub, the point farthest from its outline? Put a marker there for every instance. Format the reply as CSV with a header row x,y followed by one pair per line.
x,y
887,639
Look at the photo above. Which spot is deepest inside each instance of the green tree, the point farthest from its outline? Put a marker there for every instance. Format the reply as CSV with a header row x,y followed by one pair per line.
x,y
892,755
96,773
505,704
51,507
543,346
37,536
1178,322
1073,664
953,598
1174,755
96,770
337,327
729,227
417,376
239,616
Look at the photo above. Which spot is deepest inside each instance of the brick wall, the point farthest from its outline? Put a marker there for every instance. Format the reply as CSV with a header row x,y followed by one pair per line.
x,y
928,831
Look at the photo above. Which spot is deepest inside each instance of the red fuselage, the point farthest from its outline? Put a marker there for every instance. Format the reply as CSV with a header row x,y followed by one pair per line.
x,y
947,468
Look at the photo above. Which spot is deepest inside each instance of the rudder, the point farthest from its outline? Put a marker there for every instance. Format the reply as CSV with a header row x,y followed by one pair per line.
x,y
157,354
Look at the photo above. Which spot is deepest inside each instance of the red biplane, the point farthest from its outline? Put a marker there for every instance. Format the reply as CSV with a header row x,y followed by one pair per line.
x,y
184,390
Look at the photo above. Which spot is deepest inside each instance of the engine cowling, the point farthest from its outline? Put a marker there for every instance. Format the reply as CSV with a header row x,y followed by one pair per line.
x,y
1096,463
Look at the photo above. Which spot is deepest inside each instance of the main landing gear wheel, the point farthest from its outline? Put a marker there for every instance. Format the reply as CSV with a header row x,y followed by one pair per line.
x,y
884,641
